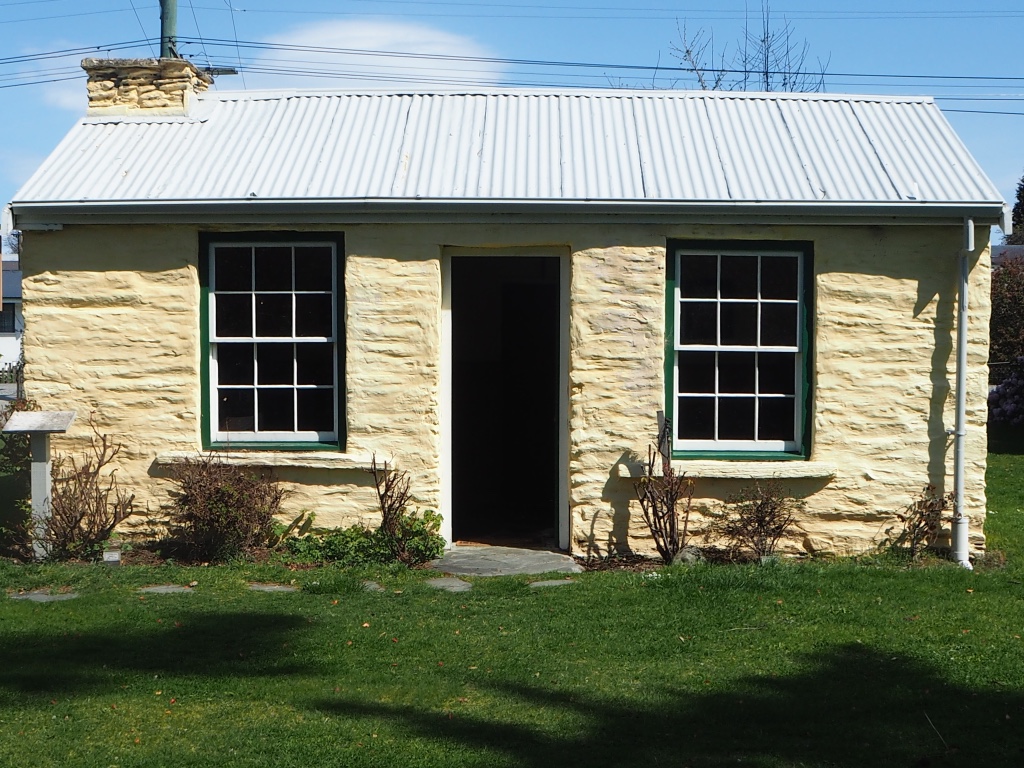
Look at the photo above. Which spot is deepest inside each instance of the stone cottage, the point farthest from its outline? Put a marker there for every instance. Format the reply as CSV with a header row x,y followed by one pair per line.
x,y
499,290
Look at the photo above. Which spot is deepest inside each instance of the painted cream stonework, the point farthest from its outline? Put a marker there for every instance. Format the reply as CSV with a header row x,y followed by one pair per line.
x,y
112,327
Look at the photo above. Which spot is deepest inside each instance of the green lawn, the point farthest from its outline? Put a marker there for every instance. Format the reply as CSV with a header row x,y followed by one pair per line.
x,y
812,664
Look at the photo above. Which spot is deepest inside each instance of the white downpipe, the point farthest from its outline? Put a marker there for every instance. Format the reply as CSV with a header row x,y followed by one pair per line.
x,y
960,522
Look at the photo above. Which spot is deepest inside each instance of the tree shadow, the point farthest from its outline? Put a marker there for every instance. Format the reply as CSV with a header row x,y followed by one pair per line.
x,y
206,644
850,707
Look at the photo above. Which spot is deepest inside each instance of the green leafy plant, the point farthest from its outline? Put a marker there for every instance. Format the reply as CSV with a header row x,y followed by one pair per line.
x,y
361,546
919,525
221,511
755,520
300,526
660,495
86,500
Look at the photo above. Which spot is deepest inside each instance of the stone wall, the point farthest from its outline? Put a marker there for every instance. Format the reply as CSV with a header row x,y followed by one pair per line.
x,y
112,327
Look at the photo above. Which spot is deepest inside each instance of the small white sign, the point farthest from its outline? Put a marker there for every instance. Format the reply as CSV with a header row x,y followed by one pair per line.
x,y
113,557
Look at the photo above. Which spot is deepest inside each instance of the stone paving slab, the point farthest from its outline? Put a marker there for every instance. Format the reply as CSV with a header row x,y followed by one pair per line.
x,y
449,584
550,583
372,586
503,561
260,587
42,596
165,589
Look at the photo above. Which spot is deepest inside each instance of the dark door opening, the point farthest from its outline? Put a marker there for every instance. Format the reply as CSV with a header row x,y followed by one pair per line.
x,y
505,419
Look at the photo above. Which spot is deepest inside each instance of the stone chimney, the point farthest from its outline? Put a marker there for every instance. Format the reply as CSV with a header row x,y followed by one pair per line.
x,y
126,86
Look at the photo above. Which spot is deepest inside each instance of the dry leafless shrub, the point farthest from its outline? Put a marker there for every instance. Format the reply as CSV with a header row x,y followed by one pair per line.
x,y
919,525
86,500
755,520
393,497
660,495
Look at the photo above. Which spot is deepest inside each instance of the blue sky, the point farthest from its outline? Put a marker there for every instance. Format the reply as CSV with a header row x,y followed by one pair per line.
x,y
968,58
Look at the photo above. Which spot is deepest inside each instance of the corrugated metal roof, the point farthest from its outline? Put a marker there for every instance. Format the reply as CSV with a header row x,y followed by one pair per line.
x,y
519,146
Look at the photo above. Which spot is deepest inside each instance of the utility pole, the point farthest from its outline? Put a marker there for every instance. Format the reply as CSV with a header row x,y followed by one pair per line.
x,y
168,29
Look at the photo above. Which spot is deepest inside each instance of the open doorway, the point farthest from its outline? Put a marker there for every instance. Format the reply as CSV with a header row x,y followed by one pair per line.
x,y
505,411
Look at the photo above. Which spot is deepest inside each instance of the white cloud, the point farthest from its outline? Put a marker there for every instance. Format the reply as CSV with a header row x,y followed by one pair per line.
x,y
69,95
326,69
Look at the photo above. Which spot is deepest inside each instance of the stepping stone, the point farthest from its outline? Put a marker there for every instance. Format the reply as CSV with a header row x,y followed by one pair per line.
x,y
165,589
257,587
41,596
372,586
503,561
550,583
450,584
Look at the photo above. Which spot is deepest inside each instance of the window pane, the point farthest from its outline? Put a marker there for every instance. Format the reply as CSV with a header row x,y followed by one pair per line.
x,y
698,323
234,363
776,418
236,410
778,325
739,277
696,418
776,373
315,363
736,418
316,410
696,372
313,269
232,269
273,314
739,324
313,315
736,372
779,277
274,268
276,410
234,314
698,277
275,363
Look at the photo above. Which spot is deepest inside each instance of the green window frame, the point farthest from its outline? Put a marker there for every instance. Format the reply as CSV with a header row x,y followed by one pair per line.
x,y
738,359
272,317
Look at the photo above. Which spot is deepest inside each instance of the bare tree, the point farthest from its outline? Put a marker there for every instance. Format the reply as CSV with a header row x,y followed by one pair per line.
x,y
768,57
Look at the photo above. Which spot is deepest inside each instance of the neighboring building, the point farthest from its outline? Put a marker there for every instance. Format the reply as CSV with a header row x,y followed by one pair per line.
x,y
500,289
12,322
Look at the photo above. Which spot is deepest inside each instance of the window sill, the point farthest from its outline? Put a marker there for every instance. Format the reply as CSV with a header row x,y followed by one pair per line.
x,y
741,470
301,459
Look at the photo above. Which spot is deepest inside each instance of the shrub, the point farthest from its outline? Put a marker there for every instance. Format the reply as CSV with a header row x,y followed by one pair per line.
x,y
221,511
409,539
359,546
660,494
16,470
1006,400
86,501
920,523
1007,323
756,519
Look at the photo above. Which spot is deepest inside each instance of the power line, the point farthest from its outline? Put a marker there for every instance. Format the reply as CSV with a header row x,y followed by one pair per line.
x,y
592,65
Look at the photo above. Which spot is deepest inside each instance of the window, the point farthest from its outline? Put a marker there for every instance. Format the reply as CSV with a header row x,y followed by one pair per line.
x,y
738,348
7,319
273,319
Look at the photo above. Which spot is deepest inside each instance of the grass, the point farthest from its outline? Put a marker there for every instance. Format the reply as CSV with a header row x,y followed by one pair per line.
x,y
812,664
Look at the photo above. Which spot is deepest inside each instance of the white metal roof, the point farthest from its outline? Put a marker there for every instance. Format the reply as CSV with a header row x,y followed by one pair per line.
x,y
645,148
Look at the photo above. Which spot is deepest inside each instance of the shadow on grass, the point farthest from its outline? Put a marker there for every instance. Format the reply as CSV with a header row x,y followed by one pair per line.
x,y
209,644
853,707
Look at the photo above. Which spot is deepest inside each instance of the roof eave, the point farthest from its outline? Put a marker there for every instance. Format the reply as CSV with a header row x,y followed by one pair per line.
x,y
49,214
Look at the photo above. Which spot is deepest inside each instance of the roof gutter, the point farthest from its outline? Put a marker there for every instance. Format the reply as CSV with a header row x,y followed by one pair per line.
x,y
50,214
